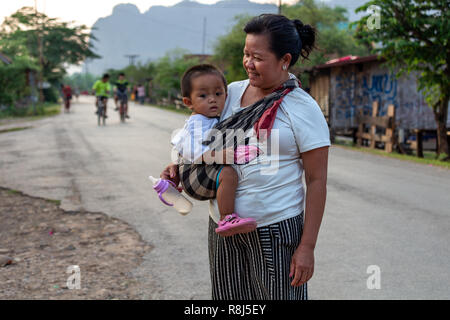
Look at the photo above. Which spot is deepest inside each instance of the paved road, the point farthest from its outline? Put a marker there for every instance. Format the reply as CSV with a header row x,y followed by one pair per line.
x,y
380,211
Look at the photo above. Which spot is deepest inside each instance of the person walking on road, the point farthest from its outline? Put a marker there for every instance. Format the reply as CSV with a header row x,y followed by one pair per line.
x,y
277,259
66,92
141,93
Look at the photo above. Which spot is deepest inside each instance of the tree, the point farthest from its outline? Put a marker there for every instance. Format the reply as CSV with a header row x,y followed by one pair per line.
x,y
52,43
314,14
229,49
169,70
332,38
414,36
81,81
14,84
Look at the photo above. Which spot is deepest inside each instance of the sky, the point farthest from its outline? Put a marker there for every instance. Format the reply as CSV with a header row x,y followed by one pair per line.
x,y
88,11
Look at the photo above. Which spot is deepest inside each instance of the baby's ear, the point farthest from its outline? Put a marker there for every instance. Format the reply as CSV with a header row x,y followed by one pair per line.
x,y
187,102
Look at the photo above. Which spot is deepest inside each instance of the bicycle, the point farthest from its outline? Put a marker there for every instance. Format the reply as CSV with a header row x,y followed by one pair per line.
x,y
101,111
123,107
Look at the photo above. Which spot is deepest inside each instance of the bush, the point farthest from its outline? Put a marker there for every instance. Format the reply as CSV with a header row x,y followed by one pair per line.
x,y
13,80
45,109
51,95
168,72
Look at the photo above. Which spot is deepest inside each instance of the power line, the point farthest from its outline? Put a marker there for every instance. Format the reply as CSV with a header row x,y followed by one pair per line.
x,y
132,58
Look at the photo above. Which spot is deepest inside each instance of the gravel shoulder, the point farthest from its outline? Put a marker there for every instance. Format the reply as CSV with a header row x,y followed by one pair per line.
x,y
39,241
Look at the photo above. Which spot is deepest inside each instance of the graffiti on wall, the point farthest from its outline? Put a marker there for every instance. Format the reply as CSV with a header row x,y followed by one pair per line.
x,y
355,91
352,90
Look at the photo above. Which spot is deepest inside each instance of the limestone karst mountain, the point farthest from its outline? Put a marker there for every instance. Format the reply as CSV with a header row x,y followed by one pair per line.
x,y
152,33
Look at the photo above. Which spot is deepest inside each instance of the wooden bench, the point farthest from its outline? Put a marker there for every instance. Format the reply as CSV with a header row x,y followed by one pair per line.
x,y
374,121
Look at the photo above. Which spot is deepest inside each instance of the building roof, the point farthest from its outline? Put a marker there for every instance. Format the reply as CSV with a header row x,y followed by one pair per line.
x,y
348,60
5,59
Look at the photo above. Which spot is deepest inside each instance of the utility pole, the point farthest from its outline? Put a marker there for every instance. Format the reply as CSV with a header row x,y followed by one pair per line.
x,y
41,59
204,35
86,66
131,58
279,6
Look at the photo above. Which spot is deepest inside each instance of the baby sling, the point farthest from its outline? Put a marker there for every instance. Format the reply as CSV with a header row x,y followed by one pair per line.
x,y
199,180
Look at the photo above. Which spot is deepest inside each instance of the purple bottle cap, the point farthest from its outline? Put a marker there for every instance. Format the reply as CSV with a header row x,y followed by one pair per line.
x,y
161,187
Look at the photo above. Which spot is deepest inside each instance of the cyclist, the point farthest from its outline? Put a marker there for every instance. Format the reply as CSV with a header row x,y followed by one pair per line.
x,y
121,92
102,89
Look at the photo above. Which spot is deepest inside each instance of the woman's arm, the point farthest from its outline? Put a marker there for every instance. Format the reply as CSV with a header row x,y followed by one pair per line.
x,y
315,163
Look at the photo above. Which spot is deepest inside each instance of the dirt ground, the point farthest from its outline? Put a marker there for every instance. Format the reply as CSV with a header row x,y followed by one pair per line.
x,y
39,242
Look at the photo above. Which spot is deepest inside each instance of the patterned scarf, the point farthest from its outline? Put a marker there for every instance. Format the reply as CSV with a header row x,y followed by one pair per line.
x,y
260,115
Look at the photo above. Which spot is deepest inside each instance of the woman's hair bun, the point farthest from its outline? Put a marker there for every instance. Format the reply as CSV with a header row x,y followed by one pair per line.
x,y
307,36
298,24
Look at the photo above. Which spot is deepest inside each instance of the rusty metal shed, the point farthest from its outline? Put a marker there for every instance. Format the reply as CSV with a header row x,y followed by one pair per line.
x,y
343,86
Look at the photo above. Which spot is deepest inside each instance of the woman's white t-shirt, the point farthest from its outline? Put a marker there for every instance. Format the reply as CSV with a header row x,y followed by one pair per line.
x,y
270,187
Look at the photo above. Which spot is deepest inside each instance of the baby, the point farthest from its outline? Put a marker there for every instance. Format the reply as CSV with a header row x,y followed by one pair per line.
x,y
203,177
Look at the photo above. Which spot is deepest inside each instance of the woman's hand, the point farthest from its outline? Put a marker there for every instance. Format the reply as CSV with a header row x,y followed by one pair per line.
x,y
302,265
171,173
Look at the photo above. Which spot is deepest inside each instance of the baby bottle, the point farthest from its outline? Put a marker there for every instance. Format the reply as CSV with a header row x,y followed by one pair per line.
x,y
170,196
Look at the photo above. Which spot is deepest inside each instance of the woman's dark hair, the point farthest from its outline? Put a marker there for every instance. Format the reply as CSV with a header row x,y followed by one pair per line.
x,y
194,72
285,36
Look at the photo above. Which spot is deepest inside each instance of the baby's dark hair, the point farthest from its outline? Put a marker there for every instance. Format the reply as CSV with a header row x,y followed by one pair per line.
x,y
195,71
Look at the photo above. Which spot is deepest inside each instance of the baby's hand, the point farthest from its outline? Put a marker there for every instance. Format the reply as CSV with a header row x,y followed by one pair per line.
x,y
244,154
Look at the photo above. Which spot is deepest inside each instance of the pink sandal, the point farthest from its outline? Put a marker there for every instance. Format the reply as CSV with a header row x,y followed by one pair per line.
x,y
233,224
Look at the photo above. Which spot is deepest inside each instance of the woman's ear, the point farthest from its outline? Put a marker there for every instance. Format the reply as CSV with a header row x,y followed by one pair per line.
x,y
286,59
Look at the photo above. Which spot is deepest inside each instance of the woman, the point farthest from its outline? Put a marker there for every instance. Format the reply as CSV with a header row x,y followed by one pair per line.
x,y
276,260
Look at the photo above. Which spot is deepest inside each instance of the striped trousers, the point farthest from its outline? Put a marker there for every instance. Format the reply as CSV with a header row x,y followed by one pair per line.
x,y
255,265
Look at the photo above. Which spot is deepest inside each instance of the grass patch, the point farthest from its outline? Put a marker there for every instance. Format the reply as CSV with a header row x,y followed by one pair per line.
x,y
171,108
14,129
12,191
37,112
57,202
428,159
